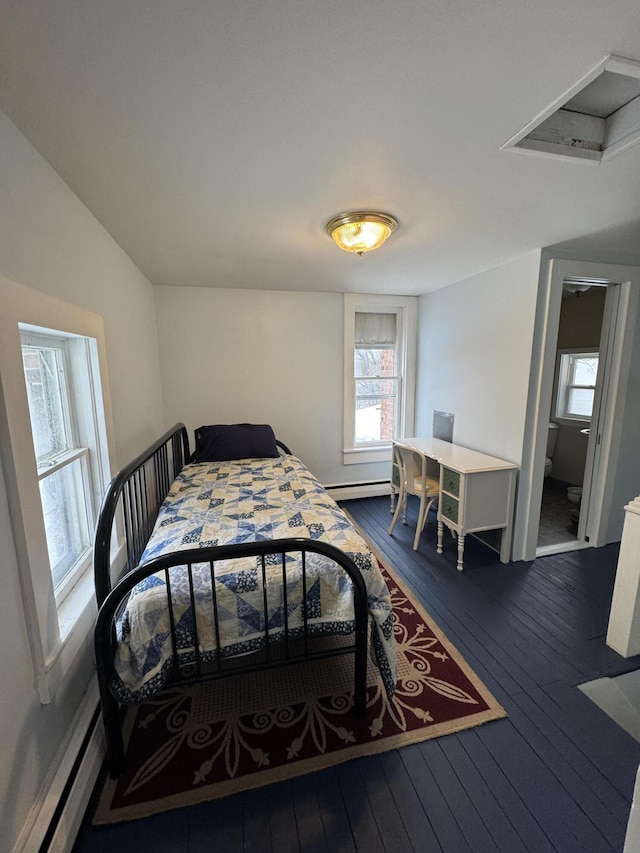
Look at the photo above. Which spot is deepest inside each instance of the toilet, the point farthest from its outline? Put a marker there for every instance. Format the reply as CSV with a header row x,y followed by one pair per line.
x,y
552,437
574,495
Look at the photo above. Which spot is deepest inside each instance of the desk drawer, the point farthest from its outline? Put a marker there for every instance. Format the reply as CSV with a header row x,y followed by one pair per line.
x,y
451,481
449,508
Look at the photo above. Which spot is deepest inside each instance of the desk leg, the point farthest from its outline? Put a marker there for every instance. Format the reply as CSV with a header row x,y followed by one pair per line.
x,y
459,565
440,534
506,535
505,544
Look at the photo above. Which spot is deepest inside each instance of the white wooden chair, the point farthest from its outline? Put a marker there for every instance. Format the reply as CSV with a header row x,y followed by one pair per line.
x,y
414,480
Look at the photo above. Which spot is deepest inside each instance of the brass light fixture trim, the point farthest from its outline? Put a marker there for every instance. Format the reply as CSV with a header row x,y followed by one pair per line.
x,y
362,230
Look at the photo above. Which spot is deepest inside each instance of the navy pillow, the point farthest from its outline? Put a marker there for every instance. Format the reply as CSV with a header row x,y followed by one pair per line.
x,y
224,442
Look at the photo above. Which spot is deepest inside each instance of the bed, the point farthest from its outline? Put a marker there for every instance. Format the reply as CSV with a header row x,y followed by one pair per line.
x,y
229,565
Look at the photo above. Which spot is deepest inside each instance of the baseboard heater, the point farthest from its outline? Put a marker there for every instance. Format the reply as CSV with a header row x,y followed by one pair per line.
x,y
59,814
351,491
61,817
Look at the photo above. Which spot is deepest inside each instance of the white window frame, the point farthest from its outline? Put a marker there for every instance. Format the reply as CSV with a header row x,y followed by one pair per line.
x,y
83,429
406,310
564,385
58,628
395,380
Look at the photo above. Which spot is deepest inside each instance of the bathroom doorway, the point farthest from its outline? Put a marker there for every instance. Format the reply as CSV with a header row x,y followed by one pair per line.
x,y
613,463
579,371
612,468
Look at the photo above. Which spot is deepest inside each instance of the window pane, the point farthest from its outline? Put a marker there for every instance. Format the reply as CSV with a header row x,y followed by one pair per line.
x,y
375,420
375,361
65,518
44,378
580,402
375,387
584,371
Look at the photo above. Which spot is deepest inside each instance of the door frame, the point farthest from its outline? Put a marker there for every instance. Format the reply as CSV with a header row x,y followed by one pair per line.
x,y
553,272
590,527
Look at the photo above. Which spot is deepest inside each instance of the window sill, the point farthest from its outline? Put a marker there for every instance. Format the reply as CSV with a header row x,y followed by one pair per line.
x,y
578,423
362,455
76,618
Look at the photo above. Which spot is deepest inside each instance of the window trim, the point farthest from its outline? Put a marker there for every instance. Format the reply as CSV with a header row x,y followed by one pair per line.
x,y
406,310
56,634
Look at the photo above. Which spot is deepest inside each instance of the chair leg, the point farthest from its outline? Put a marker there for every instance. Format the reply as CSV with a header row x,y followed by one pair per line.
x,y
401,499
420,524
425,506
427,511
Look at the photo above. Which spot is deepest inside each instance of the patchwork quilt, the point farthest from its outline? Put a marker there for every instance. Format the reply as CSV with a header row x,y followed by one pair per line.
x,y
243,501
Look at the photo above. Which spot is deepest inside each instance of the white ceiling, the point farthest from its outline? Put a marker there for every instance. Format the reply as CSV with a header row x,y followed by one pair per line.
x,y
214,138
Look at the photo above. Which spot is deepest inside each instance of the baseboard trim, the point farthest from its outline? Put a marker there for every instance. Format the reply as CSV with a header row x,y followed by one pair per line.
x,y
58,815
351,491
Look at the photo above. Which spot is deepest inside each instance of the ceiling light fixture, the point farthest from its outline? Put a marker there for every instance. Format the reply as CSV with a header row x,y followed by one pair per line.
x,y
361,231
577,287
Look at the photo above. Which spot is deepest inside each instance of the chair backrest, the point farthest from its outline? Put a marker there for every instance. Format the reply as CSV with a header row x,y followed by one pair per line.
x,y
412,465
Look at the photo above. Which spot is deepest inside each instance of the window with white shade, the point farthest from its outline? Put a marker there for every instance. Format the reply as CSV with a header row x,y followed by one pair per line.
x,y
377,383
380,344
577,374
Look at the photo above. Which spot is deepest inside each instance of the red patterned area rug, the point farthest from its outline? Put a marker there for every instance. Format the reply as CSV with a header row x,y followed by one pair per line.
x,y
206,741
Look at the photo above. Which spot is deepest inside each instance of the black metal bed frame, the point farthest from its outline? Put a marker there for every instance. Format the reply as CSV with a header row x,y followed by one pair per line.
x,y
133,500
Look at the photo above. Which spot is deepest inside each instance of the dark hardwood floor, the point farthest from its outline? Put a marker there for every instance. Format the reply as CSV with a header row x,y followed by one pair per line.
x,y
556,775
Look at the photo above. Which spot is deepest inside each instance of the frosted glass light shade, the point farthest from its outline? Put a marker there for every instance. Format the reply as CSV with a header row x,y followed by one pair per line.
x,y
361,231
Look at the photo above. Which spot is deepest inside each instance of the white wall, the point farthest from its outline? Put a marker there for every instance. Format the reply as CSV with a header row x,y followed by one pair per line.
x,y
474,356
233,356
50,242
474,360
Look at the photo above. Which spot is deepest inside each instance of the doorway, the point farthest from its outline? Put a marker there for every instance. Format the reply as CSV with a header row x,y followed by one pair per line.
x,y
578,375
612,450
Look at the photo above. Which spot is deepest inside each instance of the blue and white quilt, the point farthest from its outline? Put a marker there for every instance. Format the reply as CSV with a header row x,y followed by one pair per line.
x,y
221,503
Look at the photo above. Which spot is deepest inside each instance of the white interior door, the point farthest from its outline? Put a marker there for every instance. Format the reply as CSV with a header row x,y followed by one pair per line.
x,y
592,486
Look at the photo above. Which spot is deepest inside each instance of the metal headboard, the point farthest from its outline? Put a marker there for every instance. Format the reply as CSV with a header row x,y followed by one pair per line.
x,y
138,489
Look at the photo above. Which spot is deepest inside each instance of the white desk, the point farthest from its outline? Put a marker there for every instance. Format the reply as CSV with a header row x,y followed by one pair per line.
x,y
477,492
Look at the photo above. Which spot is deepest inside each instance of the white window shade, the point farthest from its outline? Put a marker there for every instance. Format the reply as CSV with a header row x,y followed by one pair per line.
x,y
375,329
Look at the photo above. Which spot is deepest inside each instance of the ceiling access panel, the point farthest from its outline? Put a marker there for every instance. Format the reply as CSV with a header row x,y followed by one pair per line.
x,y
593,121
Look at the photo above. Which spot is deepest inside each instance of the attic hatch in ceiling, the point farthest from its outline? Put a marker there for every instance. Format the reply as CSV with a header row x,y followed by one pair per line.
x,y
596,119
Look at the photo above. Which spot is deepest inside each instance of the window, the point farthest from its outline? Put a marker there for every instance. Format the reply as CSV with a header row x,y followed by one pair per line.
x,y
577,373
63,469
376,378
379,374
55,439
